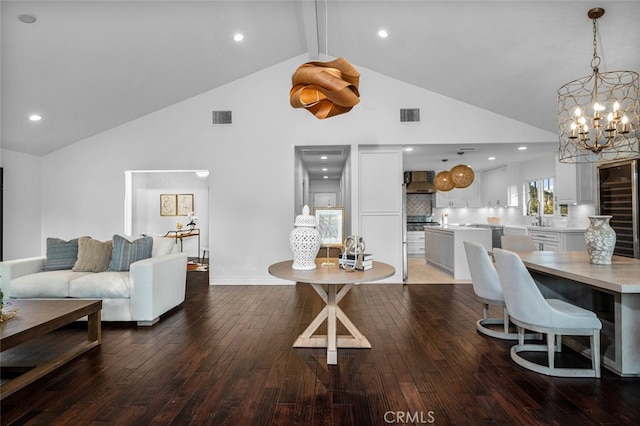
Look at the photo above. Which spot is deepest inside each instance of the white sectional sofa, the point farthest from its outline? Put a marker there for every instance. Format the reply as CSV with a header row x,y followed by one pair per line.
x,y
149,288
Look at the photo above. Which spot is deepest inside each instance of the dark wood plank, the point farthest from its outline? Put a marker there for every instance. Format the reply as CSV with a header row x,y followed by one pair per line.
x,y
225,357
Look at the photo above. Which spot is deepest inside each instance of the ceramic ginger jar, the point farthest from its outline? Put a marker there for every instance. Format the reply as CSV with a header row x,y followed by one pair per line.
x,y
304,241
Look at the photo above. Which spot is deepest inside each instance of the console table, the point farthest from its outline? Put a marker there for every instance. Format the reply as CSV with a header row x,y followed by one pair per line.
x,y
611,291
182,234
332,277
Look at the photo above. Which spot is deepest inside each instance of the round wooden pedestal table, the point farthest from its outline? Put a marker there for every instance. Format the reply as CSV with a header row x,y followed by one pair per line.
x,y
333,277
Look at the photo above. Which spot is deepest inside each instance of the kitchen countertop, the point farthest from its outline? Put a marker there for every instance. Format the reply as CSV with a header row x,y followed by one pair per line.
x,y
456,228
554,229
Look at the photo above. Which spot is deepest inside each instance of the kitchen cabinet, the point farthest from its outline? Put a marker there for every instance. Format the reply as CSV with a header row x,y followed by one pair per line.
x,y
471,196
502,186
575,183
415,243
494,187
558,239
444,247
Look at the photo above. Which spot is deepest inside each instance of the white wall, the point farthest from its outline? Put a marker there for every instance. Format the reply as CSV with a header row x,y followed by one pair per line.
x,y
251,161
22,205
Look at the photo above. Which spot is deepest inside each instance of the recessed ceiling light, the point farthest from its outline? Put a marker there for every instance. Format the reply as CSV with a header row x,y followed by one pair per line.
x,y
383,34
324,169
325,177
238,37
491,158
408,149
324,157
27,19
202,173
522,148
35,117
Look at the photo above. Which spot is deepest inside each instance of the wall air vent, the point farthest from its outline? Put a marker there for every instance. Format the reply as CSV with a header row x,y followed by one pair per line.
x,y
409,115
221,117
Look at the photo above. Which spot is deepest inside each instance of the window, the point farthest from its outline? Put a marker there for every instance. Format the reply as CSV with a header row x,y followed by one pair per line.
x,y
539,193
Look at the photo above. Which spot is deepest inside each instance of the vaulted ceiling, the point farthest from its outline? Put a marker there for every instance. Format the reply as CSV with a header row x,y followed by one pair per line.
x,y
87,66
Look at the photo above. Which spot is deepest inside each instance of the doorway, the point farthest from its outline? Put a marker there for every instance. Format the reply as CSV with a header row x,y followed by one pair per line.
x,y
322,179
144,195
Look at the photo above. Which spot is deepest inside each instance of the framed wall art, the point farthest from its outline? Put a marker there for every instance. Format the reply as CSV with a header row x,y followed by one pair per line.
x,y
168,205
330,222
185,204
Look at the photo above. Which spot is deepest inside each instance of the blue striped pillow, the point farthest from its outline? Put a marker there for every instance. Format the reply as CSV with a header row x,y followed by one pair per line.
x,y
61,254
126,252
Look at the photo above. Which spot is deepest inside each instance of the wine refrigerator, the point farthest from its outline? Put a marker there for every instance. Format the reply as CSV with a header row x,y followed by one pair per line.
x,y
618,195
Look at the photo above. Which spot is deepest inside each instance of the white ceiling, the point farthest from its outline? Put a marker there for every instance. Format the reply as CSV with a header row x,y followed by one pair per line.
x,y
88,66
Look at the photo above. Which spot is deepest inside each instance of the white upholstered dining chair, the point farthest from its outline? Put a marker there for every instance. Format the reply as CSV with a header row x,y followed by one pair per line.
x,y
486,286
529,310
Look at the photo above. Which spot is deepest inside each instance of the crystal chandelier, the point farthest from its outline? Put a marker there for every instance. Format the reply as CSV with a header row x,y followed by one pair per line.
x,y
598,114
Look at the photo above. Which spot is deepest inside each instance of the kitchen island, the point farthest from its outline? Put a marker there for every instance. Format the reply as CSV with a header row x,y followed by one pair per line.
x,y
611,291
443,247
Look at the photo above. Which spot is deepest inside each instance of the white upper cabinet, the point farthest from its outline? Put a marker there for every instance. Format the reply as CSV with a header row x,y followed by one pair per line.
x,y
502,186
471,196
575,183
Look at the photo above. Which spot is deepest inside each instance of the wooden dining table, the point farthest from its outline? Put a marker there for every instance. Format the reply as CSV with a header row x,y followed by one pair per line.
x,y
338,283
611,291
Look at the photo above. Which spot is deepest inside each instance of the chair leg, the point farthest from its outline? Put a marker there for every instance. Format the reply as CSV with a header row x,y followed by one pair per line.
x,y
485,310
558,342
505,316
595,352
551,348
520,336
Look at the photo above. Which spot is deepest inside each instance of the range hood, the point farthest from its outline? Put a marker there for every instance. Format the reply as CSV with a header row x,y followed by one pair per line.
x,y
420,182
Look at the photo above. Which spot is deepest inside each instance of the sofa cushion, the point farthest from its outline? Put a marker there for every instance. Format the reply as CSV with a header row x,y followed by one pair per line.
x,y
44,284
126,252
61,254
106,285
93,255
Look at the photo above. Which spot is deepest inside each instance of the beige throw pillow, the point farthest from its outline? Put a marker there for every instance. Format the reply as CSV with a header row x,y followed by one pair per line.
x,y
93,255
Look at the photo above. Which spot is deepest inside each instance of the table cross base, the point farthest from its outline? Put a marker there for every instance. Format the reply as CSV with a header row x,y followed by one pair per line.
x,y
332,313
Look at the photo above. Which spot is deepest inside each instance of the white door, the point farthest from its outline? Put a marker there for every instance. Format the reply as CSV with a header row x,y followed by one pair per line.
x,y
380,205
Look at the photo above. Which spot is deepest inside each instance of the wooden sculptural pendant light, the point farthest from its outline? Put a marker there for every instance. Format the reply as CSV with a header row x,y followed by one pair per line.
x,y
325,89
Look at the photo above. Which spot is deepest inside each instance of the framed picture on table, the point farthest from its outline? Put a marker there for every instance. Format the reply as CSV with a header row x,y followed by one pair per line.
x,y
185,204
330,222
168,205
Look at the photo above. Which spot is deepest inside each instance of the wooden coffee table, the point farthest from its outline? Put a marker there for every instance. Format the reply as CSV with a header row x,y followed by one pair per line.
x,y
332,277
38,317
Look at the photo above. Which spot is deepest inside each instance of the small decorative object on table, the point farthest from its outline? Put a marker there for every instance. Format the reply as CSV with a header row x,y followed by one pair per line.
x,y
353,256
304,241
600,239
178,226
6,310
192,220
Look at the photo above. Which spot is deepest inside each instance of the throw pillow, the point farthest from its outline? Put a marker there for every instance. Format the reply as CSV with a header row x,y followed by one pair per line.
x,y
93,255
61,254
126,252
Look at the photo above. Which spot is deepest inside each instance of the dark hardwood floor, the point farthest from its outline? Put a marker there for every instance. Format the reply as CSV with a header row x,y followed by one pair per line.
x,y
225,357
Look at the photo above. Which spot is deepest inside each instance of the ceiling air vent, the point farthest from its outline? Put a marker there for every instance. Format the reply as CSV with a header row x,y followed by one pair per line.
x,y
409,115
221,117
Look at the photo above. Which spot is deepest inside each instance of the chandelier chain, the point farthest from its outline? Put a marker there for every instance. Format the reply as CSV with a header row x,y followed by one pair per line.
x,y
595,61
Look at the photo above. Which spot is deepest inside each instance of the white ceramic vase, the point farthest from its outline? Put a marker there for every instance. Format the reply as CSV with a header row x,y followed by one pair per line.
x,y
600,239
304,241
